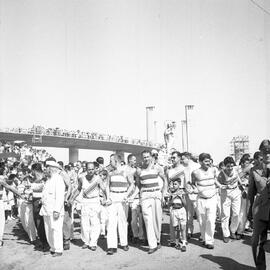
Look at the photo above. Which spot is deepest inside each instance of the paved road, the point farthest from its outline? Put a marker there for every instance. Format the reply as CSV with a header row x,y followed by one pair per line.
x,y
17,253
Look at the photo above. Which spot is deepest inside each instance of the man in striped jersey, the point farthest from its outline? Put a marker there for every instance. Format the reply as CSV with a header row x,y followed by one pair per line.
x,y
90,185
119,189
151,199
230,196
175,172
204,182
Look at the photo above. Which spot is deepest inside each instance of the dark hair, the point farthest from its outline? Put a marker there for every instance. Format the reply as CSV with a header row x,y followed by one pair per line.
x,y
244,158
204,156
130,156
257,155
67,167
12,176
100,160
61,163
2,170
186,154
221,164
50,159
177,153
36,167
265,145
229,160
96,164
104,172
146,152
177,180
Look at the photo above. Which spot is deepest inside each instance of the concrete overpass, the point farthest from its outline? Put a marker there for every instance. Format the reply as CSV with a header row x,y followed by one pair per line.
x,y
74,144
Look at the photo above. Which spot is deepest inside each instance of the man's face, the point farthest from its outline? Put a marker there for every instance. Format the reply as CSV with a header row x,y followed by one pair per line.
x,y
132,161
20,175
175,159
175,185
97,170
90,169
266,158
84,167
185,160
146,158
229,168
206,163
113,162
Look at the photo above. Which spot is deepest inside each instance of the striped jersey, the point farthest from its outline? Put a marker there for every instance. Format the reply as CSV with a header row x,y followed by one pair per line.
x,y
230,181
118,181
90,187
205,182
149,180
177,172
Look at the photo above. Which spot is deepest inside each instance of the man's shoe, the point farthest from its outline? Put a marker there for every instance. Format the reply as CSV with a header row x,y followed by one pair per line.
x,y
135,240
125,248
159,245
84,246
93,248
110,251
209,246
172,244
114,250
239,236
152,250
57,254
226,239
189,235
183,248
233,236
66,246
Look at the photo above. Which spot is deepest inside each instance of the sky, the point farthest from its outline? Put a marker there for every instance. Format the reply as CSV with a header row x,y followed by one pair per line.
x,y
95,65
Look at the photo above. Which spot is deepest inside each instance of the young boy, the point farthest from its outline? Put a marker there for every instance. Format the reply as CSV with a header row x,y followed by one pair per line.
x,y
178,214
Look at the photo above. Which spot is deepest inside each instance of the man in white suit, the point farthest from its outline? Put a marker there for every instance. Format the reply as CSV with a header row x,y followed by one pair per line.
x,y
52,208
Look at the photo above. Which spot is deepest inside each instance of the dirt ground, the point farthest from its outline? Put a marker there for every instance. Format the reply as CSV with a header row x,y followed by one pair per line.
x,y
17,253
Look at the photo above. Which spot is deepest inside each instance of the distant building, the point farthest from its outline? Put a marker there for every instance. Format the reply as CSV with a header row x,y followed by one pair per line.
x,y
239,146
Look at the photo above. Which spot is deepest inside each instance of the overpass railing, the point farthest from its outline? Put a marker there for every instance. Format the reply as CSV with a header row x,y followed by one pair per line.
x,y
38,132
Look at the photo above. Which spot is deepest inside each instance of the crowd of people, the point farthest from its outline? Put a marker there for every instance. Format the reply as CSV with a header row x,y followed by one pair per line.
x,y
46,193
42,131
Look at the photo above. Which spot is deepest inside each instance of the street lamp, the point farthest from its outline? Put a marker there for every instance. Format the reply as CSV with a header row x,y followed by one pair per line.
x,y
148,108
183,123
187,107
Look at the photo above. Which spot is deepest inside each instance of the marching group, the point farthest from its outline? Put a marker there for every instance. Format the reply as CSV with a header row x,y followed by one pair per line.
x,y
47,192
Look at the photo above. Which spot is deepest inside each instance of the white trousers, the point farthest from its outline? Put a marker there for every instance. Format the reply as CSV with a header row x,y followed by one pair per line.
x,y
2,219
230,207
136,219
191,209
152,215
207,209
54,232
243,216
117,219
27,220
103,219
90,223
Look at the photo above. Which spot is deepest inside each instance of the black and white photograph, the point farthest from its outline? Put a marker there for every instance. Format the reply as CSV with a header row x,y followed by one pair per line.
x,y
134,134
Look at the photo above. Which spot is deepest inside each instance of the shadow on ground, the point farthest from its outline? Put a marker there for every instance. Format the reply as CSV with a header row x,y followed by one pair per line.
x,y
226,263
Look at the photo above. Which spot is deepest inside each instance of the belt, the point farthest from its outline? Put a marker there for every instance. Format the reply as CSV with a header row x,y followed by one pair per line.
x,y
231,188
177,206
118,191
151,190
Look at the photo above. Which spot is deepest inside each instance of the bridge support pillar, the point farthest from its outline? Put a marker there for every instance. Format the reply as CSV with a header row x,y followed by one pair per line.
x,y
73,154
121,154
